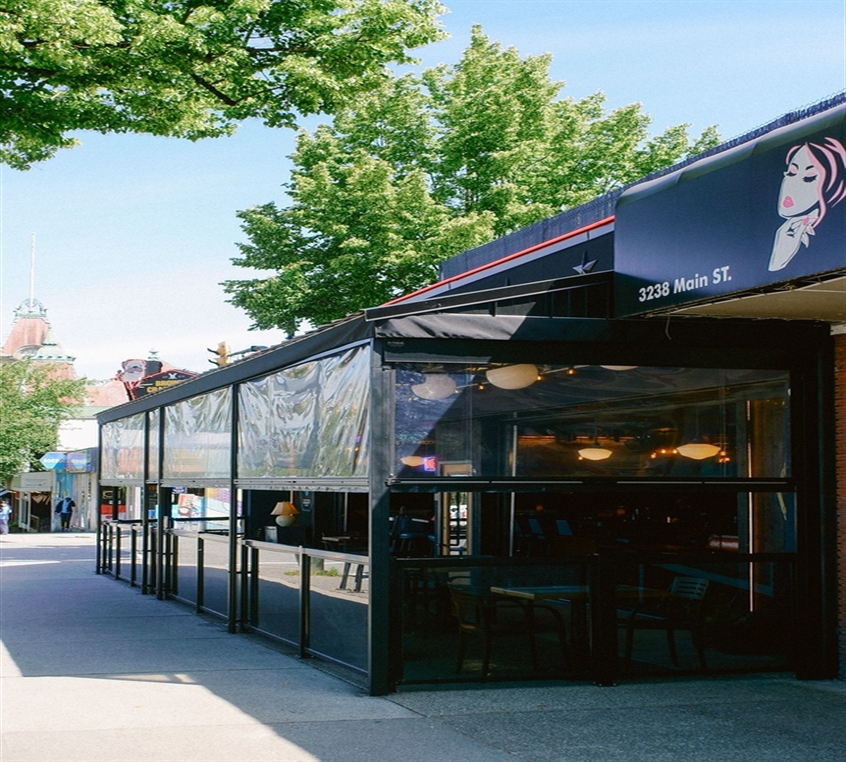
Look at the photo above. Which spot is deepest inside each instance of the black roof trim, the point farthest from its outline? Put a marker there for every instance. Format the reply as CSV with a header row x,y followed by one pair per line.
x,y
446,302
605,205
329,339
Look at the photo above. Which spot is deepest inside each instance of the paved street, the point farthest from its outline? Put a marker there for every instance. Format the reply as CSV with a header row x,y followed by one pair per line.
x,y
92,670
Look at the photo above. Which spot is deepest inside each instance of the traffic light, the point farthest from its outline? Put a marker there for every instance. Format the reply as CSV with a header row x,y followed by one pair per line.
x,y
222,353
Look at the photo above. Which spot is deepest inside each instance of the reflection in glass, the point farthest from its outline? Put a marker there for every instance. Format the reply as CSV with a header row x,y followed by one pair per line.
x,y
307,420
578,421
122,450
197,440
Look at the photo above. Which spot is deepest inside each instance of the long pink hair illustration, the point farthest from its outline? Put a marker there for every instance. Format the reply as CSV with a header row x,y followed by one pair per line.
x,y
815,180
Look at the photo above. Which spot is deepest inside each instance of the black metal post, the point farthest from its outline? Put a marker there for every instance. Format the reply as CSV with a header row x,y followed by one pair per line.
x,y
381,657
161,544
201,574
133,550
232,579
305,603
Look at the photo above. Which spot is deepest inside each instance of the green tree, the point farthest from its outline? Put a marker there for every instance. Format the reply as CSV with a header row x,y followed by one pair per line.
x,y
189,68
362,223
425,167
33,404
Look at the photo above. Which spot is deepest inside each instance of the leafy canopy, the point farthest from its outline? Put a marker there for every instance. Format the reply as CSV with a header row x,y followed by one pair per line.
x,y
189,68
33,404
425,167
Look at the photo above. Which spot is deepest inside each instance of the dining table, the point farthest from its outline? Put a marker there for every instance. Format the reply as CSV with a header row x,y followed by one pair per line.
x,y
578,597
346,543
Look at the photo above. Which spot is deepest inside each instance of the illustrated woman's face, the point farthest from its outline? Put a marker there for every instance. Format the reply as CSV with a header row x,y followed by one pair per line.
x,y
800,188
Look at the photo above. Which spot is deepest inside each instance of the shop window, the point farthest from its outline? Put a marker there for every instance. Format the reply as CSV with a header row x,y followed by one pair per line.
x,y
534,421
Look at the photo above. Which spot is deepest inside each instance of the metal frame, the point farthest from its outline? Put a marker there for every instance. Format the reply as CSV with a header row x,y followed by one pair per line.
x,y
802,348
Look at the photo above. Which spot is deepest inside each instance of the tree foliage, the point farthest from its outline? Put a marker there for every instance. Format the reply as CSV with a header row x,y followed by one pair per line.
x,y
33,404
189,68
425,167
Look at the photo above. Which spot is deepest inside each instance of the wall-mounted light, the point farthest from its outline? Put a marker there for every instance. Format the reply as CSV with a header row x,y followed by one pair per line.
x,y
618,367
436,386
285,513
412,461
513,376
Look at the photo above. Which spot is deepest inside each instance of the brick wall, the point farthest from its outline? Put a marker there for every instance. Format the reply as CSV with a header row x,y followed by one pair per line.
x,y
840,424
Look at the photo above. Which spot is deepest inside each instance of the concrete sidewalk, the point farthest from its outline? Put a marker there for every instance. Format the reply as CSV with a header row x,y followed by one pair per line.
x,y
92,670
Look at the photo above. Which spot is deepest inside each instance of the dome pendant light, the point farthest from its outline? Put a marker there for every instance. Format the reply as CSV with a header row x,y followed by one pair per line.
x,y
595,452
436,386
513,376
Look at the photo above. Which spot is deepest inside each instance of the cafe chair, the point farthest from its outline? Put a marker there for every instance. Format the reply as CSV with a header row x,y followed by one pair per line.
x,y
482,617
412,537
679,609
540,539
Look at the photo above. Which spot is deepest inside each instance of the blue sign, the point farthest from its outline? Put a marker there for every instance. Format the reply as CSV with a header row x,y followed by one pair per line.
x,y
768,211
52,459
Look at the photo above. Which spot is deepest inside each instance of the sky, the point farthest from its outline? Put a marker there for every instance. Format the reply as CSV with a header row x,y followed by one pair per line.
x,y
133,234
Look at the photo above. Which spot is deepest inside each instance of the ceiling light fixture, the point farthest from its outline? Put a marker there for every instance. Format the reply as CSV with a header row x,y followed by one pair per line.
x,y
513,376
436,386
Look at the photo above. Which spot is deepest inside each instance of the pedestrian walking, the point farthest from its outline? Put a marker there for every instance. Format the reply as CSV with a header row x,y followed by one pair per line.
x,y
5,516
64,510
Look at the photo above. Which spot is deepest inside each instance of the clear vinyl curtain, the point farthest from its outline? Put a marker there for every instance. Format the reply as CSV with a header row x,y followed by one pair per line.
x,y
197,437
309,420
122,450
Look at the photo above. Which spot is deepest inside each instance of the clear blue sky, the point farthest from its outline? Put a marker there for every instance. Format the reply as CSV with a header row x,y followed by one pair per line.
x,y
133,234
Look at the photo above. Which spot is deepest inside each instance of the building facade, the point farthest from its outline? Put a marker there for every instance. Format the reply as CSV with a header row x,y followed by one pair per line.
x,y
601,447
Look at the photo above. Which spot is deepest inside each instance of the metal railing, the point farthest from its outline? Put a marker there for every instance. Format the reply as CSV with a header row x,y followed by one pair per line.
x,y
126,552
314,600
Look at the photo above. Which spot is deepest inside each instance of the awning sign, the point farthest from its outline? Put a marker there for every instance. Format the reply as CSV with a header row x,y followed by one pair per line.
x,y
768,211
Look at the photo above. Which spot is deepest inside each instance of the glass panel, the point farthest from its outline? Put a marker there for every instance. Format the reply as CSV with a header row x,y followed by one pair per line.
x,y
197,437
201,510
134,504
691,521
474,619
339,616
723,616
308,420
215,566
453,613
589,421
122,448
184,585
153,445
277,604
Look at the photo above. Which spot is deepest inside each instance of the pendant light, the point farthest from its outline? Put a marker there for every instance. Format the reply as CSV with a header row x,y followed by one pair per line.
x,y
595,452
696,449
513,376
436,386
